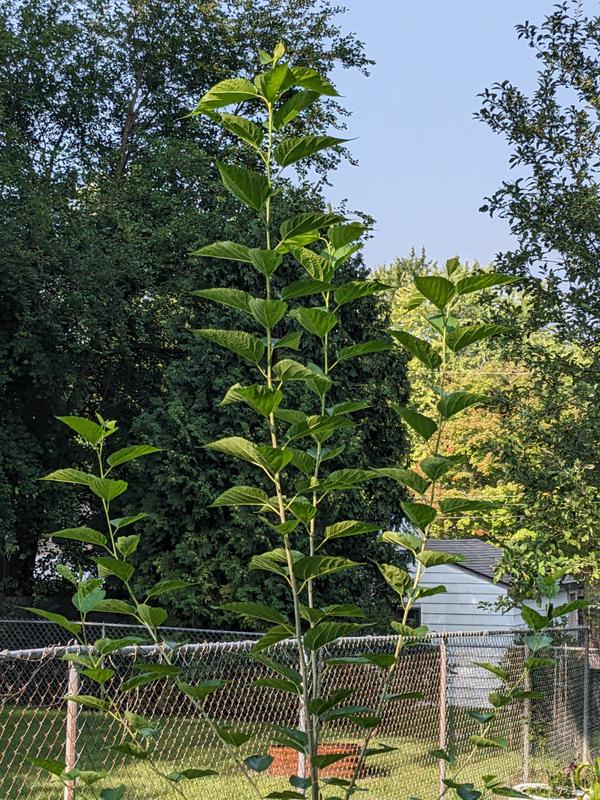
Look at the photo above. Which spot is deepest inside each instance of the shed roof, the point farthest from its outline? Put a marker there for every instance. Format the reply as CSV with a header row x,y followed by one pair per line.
x,y
480,557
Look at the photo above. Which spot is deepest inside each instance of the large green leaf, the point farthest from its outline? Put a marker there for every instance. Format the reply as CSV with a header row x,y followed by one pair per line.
x,y
304,287
272,83
310,79
420,514
108,489
326,632
317,566
234,298
465,335
533,619
291,341
407,477
113,566
244,344
437,289
267,312
265,261
278,633
317,321
275,458
292,107
295,148
307,222
70,476
252,188
353,290
168,585
256,611
436,466
362,349
404,539
87,535
348,478
455,402
419,348
258,763
289,370
228,251
201,691
345,234
396,577
258,396
243,128
131,453
423,425
241,496
225,93
348,527
238,447
273,561
459,505
435,558
88,430
73,627
484,741
316,266
474,283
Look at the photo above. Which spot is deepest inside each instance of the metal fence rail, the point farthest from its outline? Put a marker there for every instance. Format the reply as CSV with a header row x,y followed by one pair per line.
x,y
540,734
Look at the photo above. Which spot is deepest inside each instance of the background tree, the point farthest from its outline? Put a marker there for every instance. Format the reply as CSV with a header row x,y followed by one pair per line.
x,y
106,188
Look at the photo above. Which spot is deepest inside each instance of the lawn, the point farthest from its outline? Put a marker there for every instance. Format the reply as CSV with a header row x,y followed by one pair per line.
x,y
185,743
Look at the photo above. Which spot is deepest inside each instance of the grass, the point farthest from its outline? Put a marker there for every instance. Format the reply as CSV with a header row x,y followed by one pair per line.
x,y
184,743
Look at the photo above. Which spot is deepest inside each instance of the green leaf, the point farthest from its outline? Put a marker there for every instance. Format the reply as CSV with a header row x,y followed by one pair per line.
x,y
568,608
273,561
419,348
474,283
408,540
131,453
348,527
87,597
482,717
465,335
116,607
296,148
265,261
243,128
168,585
354,290
315,265
290,340
256,611
252,188
281,669
234,298
152,616
272,83
48,765
304,287
228,251
458,505
108,489
326,632
308,222
494,669
436,289
190,774
484,741
70,476
436,466
538,641
435,558
396,577
113,566
274,635
240,342
58,619
423,425
420,514
89,701
341,479
258,763
122,522
225,93
280,684
362,349
290,370
238,447
428,591
317,321
453,403
317,566
267,312
320,428
201,690
407,477
292,107
87,535
88,430
241,496
310,79
99,676
258,396
533,619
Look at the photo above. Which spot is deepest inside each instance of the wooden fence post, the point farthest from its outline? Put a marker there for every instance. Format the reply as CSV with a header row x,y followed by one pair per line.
x,y
585,722
443,716
71,729
526,722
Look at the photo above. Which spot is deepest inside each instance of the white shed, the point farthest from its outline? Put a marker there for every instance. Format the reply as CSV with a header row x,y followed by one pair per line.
x,y
469,584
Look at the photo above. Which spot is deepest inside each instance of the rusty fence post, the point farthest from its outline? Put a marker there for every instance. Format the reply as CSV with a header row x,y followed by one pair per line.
x,y
71,729
443,715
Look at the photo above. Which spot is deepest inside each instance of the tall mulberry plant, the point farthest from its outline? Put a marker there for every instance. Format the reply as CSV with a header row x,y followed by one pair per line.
x,y
293,478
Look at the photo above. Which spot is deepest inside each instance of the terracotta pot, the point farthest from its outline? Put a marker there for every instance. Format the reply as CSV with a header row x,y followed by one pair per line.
x,y
285,760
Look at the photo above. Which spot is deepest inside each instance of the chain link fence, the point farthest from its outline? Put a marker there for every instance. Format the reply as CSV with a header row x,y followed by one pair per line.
x,y
541,735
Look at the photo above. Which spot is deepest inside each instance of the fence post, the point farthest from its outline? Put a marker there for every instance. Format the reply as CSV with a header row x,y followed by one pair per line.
x,y
585,722
526,722
443,723
71,729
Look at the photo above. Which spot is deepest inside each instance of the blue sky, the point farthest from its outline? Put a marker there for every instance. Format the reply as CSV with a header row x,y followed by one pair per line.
x,y
425,163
